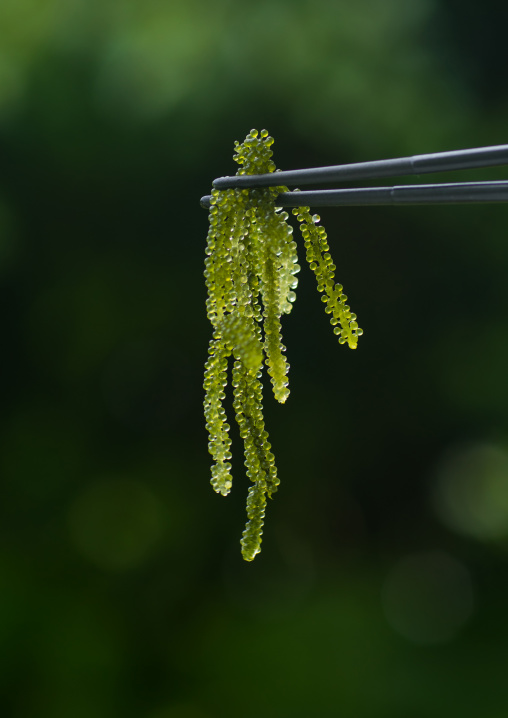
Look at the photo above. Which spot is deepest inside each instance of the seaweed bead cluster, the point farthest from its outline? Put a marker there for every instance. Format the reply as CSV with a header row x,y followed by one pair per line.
x,y
321,263
250,271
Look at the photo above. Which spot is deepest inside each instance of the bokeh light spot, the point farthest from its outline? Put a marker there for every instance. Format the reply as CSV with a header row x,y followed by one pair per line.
x,y
471,491
428,597
116,524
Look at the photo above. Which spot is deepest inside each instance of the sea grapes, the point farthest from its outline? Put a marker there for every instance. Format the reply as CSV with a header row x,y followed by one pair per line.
x,y
250,273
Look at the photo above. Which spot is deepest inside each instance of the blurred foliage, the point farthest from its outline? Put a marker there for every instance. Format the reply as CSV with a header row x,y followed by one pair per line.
x,y
381,590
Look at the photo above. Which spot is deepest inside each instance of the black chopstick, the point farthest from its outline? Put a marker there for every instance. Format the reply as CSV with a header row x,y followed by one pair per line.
x,y
456,193
419,164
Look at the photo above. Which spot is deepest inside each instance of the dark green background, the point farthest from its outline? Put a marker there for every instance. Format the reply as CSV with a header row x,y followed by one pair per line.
x,y
382,587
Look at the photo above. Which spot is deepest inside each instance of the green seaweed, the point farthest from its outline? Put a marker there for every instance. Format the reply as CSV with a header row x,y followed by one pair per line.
x,y
250,273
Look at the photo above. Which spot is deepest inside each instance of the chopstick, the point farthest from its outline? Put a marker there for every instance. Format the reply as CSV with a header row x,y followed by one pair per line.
x,y
419,164
454,193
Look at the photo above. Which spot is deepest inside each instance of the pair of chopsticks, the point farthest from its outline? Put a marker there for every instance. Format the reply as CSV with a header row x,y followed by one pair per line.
x,y
454,193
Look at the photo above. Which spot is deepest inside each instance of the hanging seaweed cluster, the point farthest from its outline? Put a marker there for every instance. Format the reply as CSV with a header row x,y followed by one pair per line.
x,y
250,273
